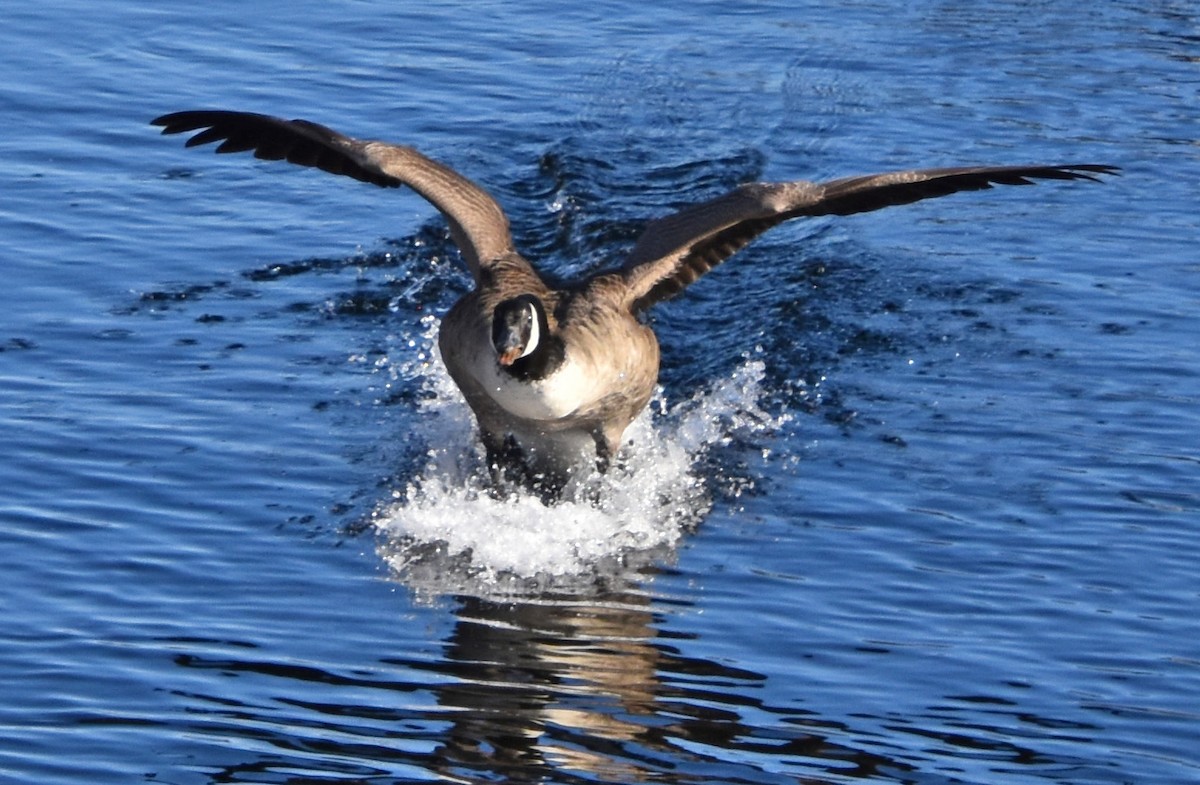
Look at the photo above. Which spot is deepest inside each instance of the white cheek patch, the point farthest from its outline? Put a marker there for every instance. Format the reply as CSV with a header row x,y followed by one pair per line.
x,y
534,333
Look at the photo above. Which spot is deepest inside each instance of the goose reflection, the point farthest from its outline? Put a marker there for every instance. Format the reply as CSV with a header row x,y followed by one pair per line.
x,y
558,689
592,688
540,686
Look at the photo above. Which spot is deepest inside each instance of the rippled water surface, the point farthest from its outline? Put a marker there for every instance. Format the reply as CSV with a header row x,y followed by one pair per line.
x,y
917,501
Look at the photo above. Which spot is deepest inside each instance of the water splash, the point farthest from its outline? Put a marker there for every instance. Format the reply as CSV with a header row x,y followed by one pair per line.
x,y
445,533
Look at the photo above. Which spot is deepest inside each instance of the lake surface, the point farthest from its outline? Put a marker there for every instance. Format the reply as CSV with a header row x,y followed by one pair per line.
x,y
918,502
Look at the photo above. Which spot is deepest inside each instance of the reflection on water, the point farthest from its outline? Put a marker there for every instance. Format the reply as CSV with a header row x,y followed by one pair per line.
x,y
567,689
561,689
592,688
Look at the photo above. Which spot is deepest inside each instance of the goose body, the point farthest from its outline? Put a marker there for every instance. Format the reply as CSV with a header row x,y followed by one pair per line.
x,y
539,422
555,376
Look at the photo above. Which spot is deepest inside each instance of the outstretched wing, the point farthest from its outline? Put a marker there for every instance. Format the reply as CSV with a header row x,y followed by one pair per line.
x,y
478,225
674,251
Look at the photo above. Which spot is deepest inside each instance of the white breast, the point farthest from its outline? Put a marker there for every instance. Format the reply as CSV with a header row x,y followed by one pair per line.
x,y
563,393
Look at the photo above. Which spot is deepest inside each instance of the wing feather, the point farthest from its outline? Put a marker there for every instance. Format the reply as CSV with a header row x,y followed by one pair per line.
x,y
675,251
477,222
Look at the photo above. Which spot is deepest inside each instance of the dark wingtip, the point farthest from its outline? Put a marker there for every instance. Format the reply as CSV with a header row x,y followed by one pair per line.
x,y
1027,175
195,119
271,138
179,122
1087,171
167,122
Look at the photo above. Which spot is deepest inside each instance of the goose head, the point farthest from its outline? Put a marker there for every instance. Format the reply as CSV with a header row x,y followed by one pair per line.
x,y
521,336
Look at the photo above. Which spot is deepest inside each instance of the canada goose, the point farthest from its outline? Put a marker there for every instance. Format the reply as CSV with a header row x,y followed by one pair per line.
x,y
554,376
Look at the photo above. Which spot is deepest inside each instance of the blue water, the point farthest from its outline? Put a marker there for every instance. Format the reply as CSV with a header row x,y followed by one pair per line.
x,y
918,501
